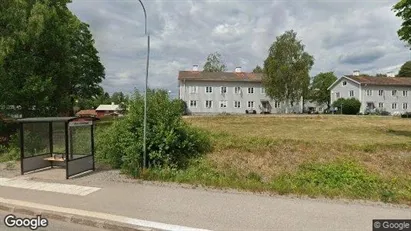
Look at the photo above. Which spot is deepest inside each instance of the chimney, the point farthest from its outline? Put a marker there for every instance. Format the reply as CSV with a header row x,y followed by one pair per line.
x,y
356,73
390,74
238,69
195,67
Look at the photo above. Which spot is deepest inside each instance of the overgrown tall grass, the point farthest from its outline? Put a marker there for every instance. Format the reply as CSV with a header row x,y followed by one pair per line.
x,y
331,156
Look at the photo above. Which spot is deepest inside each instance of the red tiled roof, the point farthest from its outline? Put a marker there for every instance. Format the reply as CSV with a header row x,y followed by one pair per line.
x,y
87,112
220,76
392,81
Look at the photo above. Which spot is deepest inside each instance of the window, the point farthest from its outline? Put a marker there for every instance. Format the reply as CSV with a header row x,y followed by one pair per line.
x,y
193,89
250,104
208,104
223,104
262,90
250,90
369,92
344,83
209,90
405,93
394,92
351,93
394,106
380,92
193,103
380,105
404,106
277,104
223,90
237,104
337,95
237,90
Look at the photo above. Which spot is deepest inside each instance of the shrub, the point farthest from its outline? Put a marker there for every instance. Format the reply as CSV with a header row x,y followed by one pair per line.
x,y
349,106
406,115
7,129
170,141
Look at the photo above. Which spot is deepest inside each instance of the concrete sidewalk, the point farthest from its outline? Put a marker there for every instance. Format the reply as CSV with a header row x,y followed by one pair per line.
x,y
214,210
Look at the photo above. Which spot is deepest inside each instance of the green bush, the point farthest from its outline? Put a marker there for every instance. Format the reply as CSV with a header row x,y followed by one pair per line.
x,y
349,106
170,141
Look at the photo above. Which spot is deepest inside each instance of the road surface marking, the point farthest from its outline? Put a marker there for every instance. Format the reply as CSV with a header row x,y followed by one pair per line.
x,y
97,215
49,187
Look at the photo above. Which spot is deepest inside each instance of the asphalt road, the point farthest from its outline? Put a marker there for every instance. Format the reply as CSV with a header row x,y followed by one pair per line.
x,y
216,210
53,225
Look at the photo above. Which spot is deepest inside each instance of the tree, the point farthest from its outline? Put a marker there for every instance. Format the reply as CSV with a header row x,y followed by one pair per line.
x,y
318,88
258,69
403,10
349,106
380,75
286,69
405,70
47,57
214,63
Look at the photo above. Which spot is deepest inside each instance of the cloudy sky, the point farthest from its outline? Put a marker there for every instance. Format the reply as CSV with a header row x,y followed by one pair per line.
x,y
342,35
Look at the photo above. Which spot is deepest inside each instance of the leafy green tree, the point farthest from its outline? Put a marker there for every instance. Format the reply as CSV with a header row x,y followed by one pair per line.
x,y
258,69
318,88
47,57
286,69
171,141
349,106
405,70
402,10
214,63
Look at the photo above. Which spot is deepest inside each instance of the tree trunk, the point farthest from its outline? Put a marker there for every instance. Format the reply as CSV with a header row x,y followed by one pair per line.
x,y
286,106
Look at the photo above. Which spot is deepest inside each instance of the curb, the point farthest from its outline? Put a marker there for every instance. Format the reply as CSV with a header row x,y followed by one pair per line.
x,y
94,219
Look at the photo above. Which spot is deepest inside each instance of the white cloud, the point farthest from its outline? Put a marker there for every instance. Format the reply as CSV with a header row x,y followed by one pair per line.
x,y
342,35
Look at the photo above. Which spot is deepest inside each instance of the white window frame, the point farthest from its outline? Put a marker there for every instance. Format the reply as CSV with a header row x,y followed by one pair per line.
x,y
237,90
404,106
380,105
211,104
252,90
344,83
223,90
394,106
352,93
211,90
250,103
394,92
369,92
237,104
405,93
193,105
380,92
193,89
277,104
337,95
223,104
262,90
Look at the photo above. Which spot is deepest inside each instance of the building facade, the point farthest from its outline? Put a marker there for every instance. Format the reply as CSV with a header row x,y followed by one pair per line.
x,y
228,92
391,94
108,110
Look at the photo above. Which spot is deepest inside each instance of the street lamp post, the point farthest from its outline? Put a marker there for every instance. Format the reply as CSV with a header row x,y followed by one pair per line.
x,y
145,91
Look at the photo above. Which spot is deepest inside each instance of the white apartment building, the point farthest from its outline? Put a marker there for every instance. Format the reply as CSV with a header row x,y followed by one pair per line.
x,y
391,94
228,92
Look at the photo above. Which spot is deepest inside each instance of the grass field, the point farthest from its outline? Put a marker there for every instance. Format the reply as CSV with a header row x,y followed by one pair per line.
x,y
333,156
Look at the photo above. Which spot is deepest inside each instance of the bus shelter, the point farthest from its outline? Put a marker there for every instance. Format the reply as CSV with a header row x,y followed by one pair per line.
x,y
48,142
